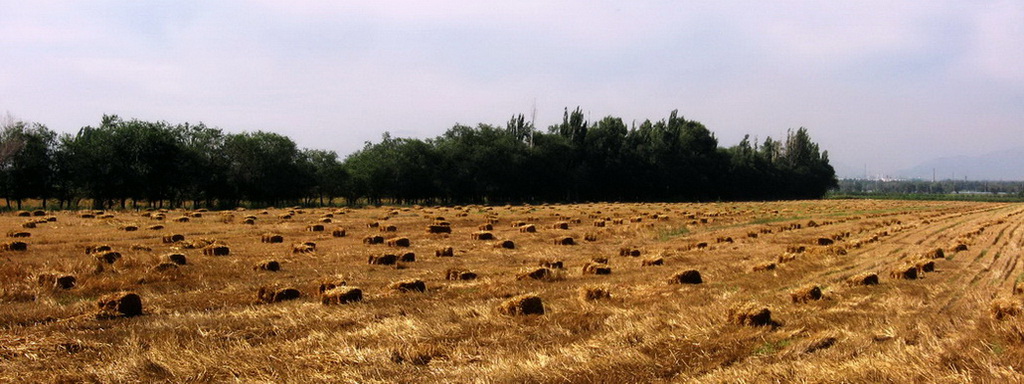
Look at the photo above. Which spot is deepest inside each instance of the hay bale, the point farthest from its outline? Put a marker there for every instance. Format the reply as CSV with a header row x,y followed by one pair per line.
x,y
399,242
724,239
594,293
482,235
518,223
408,286
750,314
121,304
591,237
341,295
596,269
386,259
315,228
507,244
769,266
388,228
553,264
330,284
273,294
373,239
701,245
165,267
1004,307
960,247
338,232
434,228
97,248
156,227
459,274
924,266
167,239
216,250
560,225
522,305
444,252
599,223
18,234
867,278
177,258
271,238
28,225
56,281
183,219
631,252
326,220
87,216
536,274
1018,287
407,257
529,228
129,228
936,253
686,277
906,272
22,214
267,265
650,262
108,257
565,240
485,227
823,241
805,294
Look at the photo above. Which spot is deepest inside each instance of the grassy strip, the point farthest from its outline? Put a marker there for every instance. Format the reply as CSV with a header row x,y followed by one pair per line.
x,y
928,197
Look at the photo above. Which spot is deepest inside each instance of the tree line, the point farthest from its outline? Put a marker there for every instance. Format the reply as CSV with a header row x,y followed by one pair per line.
x,y
122,163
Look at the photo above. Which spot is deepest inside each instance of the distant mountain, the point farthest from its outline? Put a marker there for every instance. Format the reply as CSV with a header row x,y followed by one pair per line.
x,y
1002,165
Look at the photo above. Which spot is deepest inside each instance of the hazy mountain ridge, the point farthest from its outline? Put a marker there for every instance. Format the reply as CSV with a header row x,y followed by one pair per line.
x,y
1002,165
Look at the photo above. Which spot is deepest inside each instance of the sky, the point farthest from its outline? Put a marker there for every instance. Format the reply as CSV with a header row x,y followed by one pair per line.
x,y
881,85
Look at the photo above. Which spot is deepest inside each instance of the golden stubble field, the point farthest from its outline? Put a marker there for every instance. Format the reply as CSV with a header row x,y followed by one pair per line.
x,y
621,310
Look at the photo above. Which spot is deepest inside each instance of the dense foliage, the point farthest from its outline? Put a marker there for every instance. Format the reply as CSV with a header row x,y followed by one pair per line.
x,y
157,163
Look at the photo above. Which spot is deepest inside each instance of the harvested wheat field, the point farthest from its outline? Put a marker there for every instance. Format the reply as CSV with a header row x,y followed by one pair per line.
x,y
804,291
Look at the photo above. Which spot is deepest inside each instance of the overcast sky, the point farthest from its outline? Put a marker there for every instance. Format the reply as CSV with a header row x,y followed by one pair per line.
x,y
880,84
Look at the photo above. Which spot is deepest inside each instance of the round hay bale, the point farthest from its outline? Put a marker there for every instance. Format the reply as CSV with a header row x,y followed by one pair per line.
x,y
108,257
156,227
805,294
750,314
315,228
483,235
386,259
272,238
173,238
338,232
18,234
536,274
373,239
701,245
960,247
444,252
507,244
925,266
765,267
325,220
565,240
121,304
177,258
691,276
596,269
863,279
459,274
1005,307
56,281
560,225
249,221
22,214
936,253
528,228
341,295
594,293
267,265
388,228
600,223
518,223
97,248
823,241
630,252
28,225
796,249
183,219
408,286
522,305
906,272
399,242
217,250
651,262
407,257
276,294
129,228
485,227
